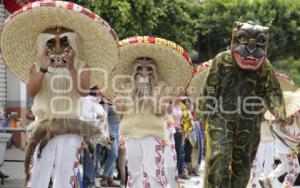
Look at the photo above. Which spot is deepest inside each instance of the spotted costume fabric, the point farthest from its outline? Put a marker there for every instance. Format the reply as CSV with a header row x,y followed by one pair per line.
x,y
232,107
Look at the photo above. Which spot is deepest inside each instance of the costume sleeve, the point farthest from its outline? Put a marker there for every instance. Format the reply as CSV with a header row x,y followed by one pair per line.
x,y
207,101
273,93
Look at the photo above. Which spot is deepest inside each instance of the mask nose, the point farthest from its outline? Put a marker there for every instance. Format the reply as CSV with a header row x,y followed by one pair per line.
x,y
58,47
144,71
251,47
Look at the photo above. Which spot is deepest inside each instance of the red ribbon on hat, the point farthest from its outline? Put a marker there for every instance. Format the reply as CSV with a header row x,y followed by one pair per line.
x,y
202,66
156,40
13,5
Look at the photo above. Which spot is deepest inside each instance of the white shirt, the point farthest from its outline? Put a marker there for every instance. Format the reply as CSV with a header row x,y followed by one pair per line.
x,y
90,109
265,132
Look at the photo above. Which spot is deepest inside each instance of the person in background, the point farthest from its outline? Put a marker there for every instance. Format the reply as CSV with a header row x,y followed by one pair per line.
x,y
170,152
189,133
178,137
287,153
93,113
264,159
112,153
200,140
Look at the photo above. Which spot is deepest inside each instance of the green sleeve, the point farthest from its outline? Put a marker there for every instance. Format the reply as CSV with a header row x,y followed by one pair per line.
x,y
206,103
273,94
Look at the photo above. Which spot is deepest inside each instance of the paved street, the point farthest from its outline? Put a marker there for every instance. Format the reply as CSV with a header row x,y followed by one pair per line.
x,y
16,172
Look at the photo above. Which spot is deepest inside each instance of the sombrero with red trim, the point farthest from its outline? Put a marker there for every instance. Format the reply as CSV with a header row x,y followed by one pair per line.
x,y
292,105
286,83
173,64
98,41
197,83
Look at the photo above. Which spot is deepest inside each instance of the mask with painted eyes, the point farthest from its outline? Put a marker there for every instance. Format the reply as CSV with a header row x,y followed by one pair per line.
x,y
59,45
144,75
249,44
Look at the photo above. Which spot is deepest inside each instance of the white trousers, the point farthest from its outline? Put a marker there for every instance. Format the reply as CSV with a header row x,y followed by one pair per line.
x,y
171,161
145,162
60,158
264,160
290,165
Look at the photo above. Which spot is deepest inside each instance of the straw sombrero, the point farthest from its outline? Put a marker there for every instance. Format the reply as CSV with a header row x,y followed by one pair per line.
x,y
98,41
173,64
200,74
286,83
292,105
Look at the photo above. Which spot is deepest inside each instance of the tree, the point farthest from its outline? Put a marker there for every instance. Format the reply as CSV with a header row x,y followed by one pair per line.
x,y
216,17
168,19
206,26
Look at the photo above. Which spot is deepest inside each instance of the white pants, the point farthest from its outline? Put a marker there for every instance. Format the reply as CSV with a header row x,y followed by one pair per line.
x,y
60,158
264,160
171,161
290,165
145,162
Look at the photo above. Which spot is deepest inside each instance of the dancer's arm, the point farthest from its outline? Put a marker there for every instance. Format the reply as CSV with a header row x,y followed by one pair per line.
x,y
36,77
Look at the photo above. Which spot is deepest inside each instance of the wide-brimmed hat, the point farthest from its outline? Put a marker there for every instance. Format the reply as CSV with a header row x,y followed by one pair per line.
x,y
286,83
197,83
292,105
173,64
98,41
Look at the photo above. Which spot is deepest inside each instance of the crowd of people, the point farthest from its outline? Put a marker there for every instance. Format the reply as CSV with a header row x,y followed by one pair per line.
x,y
182,136
146,118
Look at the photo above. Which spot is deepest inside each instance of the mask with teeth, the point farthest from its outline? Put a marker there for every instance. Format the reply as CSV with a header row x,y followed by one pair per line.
x,y
58,59
249,44
144,76
58,45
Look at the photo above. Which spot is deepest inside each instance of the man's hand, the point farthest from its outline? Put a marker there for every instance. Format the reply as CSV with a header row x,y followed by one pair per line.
x,y
100,116
277,116
45,60
69,59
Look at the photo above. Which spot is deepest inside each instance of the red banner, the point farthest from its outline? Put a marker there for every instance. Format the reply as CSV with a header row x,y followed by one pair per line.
x,y
13,5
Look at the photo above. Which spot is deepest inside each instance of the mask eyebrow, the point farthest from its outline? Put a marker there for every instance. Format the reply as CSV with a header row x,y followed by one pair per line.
x,y
64,39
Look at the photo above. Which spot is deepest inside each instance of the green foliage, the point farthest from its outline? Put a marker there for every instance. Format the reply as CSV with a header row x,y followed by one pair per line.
x,y
205,25
290,66
168,19
216,17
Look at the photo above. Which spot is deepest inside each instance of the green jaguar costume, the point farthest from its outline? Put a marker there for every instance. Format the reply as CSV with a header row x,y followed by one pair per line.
x,y
240,84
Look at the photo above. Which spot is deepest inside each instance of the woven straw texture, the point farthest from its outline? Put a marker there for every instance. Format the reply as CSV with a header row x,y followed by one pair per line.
x,y
197,83
292,104
173,64
285,82
98,42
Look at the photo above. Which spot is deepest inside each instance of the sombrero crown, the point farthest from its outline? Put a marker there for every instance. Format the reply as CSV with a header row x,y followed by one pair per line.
x,y
98,41
286,83
292,105
173,64
197,83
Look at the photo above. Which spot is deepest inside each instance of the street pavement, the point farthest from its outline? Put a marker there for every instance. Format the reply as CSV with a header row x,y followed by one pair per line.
x,y
16,172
